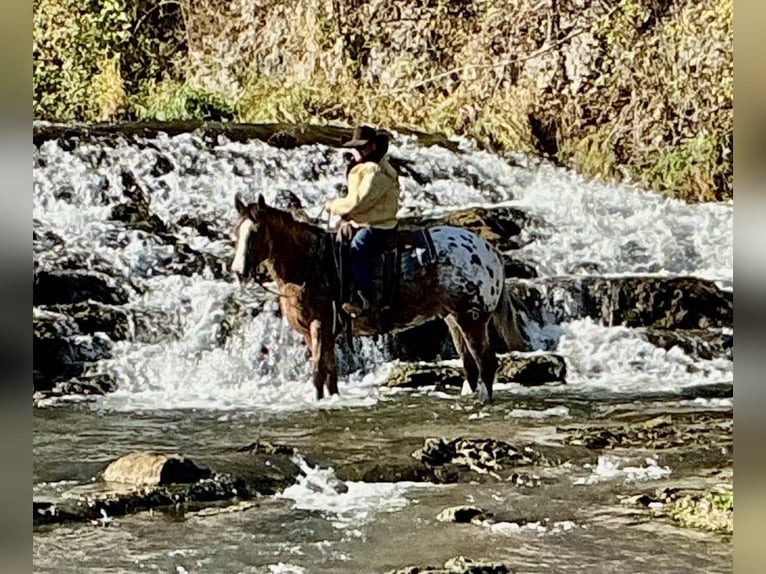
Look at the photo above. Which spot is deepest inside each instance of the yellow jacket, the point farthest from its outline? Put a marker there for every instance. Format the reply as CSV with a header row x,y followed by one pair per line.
x,y
373,196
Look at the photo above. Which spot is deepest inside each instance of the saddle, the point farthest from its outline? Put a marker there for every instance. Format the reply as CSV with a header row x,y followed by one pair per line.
x,y
406,250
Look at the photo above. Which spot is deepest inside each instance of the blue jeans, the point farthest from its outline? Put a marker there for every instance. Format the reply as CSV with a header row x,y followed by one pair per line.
x,y
368,244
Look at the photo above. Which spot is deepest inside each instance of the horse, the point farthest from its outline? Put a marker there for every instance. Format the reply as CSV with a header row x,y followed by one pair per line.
x,y
465,286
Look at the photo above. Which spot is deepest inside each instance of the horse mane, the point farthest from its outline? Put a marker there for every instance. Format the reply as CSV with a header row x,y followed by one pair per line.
x,y
287,220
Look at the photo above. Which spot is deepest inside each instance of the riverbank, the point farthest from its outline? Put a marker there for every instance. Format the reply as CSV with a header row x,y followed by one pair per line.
x,y
639,91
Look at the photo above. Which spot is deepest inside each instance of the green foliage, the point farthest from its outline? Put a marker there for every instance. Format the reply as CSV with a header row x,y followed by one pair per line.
x,y
170,100
636,88
709,511
72,43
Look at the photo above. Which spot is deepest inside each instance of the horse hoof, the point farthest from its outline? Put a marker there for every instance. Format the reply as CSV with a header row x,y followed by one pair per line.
x,y
482,394
466,390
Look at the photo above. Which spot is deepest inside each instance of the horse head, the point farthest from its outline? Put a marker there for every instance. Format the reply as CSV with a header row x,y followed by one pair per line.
x,y
250,236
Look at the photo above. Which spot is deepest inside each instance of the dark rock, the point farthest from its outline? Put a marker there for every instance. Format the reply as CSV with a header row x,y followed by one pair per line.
x,y
392,469
412,375
709,391
699,343
54,354
460,514
64,287
136,213
261,467
677,430
478,459
99,504
162,166
60,351
525,369
518,268
203,227
92,317
658,302
83,385
531,370
458,565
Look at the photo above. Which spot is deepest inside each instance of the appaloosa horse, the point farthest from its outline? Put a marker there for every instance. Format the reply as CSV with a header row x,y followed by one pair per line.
x,y
465,285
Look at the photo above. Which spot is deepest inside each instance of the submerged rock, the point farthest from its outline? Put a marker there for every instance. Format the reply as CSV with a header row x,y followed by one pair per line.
x,y
458,565
528,370
676,430
460,514
464,459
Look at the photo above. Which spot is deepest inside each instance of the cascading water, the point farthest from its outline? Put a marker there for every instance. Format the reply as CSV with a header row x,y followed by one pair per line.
x,y
577,227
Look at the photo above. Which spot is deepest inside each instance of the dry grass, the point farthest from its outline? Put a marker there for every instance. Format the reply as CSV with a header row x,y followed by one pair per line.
x,y
639,88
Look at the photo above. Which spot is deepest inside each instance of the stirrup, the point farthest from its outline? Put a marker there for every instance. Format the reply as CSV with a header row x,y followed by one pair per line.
x,y
356,309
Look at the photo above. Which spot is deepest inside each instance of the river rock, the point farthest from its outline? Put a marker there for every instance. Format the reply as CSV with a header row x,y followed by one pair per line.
x,y
525,369
658,302
66,287
704,344
531,370
135,213
413,375
145,468
100,503
458,565
92,317
460,514
60,351
261,467
83,385
468,459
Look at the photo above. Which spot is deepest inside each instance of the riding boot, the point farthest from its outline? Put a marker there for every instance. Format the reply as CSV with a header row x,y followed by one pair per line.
x,y
357,308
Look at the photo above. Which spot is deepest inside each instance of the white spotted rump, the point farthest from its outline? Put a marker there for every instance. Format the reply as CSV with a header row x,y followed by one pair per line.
x,y
469,263
243,234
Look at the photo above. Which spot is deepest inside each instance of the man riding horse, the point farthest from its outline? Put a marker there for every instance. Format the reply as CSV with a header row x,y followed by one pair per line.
x,y
369,209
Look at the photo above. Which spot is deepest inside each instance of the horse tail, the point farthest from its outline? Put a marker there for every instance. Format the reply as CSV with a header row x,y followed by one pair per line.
x,y
506,322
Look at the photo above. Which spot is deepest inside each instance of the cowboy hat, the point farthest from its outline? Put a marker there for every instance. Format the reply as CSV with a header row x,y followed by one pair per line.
x,y
364,135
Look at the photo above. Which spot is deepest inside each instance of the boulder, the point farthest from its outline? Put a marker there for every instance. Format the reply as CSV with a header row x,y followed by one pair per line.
x,y
92,317
66,287
60,351
531,370
651,301
145,468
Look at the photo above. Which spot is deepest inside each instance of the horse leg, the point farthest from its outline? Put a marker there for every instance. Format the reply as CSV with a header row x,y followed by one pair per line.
x,y
330,367
476,334
323,367
317,365
470,369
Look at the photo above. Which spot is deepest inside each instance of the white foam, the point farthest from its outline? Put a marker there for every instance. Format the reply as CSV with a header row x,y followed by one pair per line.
x,y
611,467
350,505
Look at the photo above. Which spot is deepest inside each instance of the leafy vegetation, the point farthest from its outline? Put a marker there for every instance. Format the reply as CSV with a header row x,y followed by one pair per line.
x,y
636,89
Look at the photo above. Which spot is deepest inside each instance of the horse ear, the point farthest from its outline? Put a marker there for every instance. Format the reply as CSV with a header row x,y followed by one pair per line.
x,y
261,200
239,204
